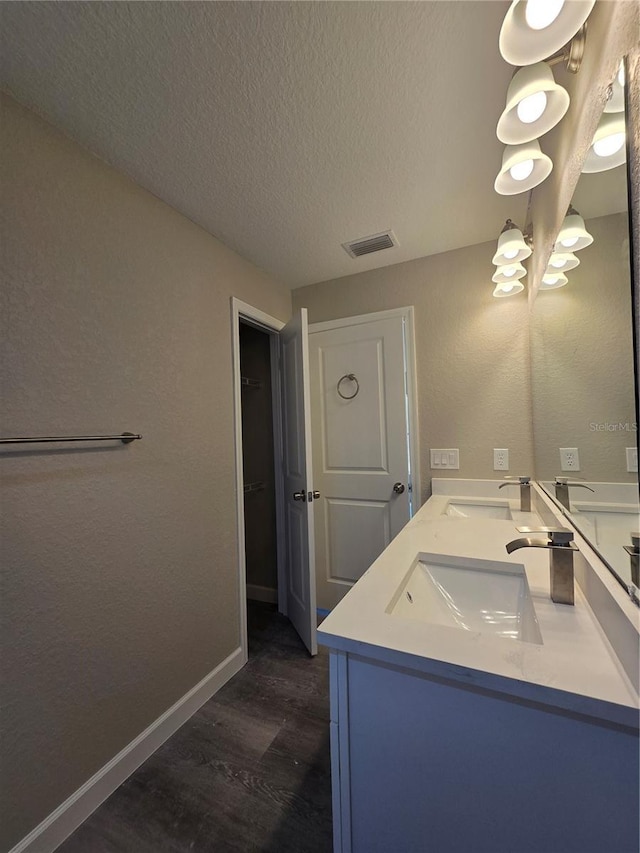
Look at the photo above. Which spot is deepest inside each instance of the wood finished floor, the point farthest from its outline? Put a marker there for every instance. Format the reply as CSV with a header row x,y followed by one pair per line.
x,y
248,773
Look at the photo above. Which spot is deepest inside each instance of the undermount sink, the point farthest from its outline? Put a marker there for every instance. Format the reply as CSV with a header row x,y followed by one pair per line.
x,y
609,524
482,596
475,508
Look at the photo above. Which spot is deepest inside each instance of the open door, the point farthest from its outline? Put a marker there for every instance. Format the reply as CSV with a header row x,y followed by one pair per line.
x,y
362,403
297,473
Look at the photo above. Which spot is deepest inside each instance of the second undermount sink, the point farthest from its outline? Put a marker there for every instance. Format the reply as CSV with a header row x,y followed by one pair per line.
x,y
484,596
477,508
608,523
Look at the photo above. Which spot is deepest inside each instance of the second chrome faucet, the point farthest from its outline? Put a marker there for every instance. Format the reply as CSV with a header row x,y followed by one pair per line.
x,y
525,491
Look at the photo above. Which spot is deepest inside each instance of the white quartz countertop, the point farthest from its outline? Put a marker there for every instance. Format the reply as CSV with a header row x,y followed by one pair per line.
x,y
574,670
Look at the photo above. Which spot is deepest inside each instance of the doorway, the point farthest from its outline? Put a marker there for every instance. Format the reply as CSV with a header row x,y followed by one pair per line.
x,y
259,331
288,445
259,486
288,434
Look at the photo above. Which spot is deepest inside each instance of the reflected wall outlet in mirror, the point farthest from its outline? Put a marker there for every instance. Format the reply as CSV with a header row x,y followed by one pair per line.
x,y
500,459
632,460
569,459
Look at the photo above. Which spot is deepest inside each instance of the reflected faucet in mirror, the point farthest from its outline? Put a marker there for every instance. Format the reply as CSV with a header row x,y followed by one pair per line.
x,y
559,541
633,551
562,484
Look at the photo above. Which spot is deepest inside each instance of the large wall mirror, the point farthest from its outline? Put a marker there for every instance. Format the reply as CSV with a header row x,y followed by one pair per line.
x,y
582,373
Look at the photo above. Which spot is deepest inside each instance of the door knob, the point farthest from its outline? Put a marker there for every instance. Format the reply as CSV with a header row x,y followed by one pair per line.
x,y
316,494
299,496
398,488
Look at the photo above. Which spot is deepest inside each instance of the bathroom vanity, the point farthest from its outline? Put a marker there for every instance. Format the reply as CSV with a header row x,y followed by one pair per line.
x,y
468,711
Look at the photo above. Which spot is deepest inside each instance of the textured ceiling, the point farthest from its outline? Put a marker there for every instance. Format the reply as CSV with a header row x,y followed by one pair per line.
x,y
284,128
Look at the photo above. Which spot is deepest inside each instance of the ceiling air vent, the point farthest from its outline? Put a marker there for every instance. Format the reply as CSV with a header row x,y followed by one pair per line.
x,y
367,245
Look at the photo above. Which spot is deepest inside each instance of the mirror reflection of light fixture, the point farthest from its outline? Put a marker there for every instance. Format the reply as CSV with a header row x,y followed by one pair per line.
x,y
523,167
615,102
573,234
509,273
536,29
508,289
553,279
512,246
562,262
608,148
535,104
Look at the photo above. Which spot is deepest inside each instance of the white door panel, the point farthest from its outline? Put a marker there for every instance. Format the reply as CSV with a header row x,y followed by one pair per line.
x,y
360,448
298,472
341,419
371,520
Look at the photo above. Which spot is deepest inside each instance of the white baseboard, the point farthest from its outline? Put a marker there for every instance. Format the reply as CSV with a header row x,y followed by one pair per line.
x,y
73,811
262,593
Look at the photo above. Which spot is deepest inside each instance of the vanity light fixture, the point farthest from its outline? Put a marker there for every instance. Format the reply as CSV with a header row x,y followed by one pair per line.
x,y
508,289
512,245
509,273
573,234
535,104
537,29
523,167
553,280
562,262
608,148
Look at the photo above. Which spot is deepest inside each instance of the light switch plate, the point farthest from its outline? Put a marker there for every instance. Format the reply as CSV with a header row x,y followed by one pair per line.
x,y
445,457
500,459
632,460
569,459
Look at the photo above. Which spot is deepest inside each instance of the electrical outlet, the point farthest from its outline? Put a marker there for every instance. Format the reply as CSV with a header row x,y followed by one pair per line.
x,y
569,459
632,460
500,459
446,457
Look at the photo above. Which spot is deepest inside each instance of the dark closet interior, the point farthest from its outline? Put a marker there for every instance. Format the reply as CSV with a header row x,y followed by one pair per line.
x,y
257,459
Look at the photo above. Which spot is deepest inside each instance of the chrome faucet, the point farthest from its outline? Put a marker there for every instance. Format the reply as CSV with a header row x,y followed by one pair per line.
x,y
560,543
562,490
525,492
633,551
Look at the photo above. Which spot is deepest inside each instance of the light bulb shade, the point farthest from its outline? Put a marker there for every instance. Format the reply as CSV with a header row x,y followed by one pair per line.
x,y
608,148
508,273
573,235
561,262
553,280
508,289
514,158
511,248
522,44
529,82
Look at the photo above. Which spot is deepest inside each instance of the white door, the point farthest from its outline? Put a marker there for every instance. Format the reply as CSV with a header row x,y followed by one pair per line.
x,y
298,487
360,428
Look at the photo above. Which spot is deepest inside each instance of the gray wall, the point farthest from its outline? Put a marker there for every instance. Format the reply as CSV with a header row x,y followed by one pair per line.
x,y
582,361
120,568
471,350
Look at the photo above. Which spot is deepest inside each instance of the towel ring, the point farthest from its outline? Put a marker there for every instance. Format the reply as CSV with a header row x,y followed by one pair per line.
x,y
352,378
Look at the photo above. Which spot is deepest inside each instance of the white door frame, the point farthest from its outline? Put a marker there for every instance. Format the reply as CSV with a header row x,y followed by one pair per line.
x,y
407,315
259,320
